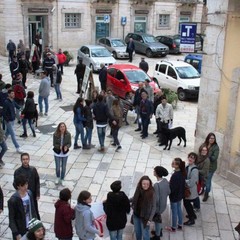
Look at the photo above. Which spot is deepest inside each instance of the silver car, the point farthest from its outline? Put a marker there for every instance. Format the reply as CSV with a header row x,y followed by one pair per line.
x,y
115,45
94,55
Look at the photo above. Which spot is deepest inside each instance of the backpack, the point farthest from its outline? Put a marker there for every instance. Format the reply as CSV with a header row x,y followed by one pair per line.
x,y
200,183
19,92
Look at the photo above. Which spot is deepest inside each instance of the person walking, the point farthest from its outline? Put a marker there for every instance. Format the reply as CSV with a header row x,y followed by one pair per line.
x,y
21,47
177,186
3,146
64,215
143,65
57,79
11,47
61,60
213,153
162,191
130,49
61,145
9,118
80,71
20,208
33,180
47,65
14,67
144,208
84,220
149,90
35,60
116,207
103,77
44,92
1,200
23,69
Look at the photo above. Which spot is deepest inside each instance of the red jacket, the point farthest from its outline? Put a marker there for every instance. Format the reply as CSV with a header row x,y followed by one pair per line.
x,y
64,215
61,58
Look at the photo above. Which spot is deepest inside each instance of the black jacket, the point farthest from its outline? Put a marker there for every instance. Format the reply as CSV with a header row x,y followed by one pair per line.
x,y
87,113
146,108
101,113
103,75
144,66
137,97
29,110
177,184
80,70
16,214
116,208
9,110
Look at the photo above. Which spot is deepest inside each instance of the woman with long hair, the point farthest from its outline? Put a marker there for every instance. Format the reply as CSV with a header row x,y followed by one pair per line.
x,y
177,186
144,208
61,145
213,153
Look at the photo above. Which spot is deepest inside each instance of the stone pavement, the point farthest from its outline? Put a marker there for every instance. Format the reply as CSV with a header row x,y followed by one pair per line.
x,y
94,171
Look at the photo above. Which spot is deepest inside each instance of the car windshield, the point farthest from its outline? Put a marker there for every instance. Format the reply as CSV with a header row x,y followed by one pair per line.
x,y
136,76
100,52
187,72
150,39
118,43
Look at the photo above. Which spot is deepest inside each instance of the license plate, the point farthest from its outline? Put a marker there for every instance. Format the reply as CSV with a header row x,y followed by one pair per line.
x,y
163,52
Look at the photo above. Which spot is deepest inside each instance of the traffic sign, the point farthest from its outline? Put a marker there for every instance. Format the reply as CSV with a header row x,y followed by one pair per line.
x,y
106,18
188,34
123,21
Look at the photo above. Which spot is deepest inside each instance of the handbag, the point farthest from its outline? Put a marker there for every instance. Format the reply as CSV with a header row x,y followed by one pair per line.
x,y
187,192
57,150
157,218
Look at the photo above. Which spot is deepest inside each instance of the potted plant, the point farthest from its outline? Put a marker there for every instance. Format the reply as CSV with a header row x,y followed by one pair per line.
x,y
172,97
69,57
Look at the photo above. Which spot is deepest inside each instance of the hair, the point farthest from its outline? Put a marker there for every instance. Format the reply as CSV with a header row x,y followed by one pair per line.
x,y
45,73
58,132
10,91
77,104
145,177
150,191
20,180
88,102
208,137
30,94
193,154
25,154
83,196
65,194
0,76
31,235
164,97
8,85
115,102
109,90
100,98
181,164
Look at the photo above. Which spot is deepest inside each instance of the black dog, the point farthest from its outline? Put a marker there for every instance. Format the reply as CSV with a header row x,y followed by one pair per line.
x,y
170,134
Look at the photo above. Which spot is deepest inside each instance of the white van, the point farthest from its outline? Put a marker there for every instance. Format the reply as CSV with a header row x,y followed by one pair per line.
x,y
178,76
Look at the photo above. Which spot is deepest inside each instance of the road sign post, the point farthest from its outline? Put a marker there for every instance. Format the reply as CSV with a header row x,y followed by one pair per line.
x,y
188,34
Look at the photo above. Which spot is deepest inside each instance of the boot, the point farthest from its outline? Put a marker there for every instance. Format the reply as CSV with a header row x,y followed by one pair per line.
x,y
205,198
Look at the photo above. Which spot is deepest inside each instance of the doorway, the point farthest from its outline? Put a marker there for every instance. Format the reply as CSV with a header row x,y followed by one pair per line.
x,y
102,28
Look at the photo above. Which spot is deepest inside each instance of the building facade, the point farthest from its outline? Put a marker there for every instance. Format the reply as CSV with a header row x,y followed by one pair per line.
x,y
219,100
68,24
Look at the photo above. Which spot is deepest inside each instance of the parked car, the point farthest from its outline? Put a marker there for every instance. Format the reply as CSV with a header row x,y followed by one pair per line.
x,y
173,42
195,60
94,55
124,78
178,76
114,45
147,44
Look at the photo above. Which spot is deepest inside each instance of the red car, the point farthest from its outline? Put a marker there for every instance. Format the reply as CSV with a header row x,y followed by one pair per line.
x,y
124,78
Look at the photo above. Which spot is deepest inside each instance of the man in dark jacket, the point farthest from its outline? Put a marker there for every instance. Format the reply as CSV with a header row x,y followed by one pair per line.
x,y
11,47
80,71
130,48
103,77
14,67
20,208
23,68
47,65
143,65
101,115
32,178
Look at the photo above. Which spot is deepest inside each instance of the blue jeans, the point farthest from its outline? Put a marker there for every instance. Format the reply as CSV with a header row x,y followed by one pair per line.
x,y
31,125
101,135
79,130
158,227
116,235
137,110
209,182
3,145
61,163
177,214
10,131
139,229
40,100
57,90
88,136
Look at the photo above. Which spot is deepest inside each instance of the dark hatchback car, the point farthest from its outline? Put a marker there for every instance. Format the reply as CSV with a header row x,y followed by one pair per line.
x,y
173,42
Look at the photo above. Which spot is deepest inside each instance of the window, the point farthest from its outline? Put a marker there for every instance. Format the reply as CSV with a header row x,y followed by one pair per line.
x,y
171,73
72,20
163,68
164,20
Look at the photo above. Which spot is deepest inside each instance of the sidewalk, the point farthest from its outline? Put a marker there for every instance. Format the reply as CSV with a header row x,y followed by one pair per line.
x,y
94,171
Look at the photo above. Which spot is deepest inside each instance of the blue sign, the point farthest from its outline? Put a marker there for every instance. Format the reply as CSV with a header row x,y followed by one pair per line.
x,y
188,34
123,21
107,18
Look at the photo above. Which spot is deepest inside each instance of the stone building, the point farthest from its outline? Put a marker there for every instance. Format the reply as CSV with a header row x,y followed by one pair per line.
x,y
68,24
219,100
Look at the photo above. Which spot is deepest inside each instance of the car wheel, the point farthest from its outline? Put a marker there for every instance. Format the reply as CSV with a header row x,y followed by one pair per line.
x,y
156,81
92,68
149,53
181,95
114,55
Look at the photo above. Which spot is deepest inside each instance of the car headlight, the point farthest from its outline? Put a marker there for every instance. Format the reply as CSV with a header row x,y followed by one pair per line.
x,y
190,87
154,49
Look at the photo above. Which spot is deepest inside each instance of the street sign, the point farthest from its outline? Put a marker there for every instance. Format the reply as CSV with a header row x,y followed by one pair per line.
x,y
123,21
106,18
187,34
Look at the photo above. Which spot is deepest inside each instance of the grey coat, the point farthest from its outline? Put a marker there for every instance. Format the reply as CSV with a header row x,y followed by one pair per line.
x,y
44,87
192,180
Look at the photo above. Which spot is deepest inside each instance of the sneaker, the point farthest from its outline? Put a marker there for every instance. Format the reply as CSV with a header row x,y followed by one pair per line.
x,y
189,223
19,121
19,150
57,181
76,147
196,209
40,114
170,229
138,130
179,227
118,148
24,135
86,147
92,145
113,144
2,162
109,136
34,134
45,113
62,182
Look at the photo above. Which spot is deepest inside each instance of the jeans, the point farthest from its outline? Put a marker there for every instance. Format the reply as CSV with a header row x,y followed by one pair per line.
x,y
79,130
115,136
101,131
145,123
3,145
177,214
209,182
137,110
57,90
10,131
139,229
88,136
116,235
189,208
40,100
31,125
60,162
158,228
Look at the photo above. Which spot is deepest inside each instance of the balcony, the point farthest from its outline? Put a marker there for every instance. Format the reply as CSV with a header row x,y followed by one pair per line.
x,y
104,1
135,2
188,1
